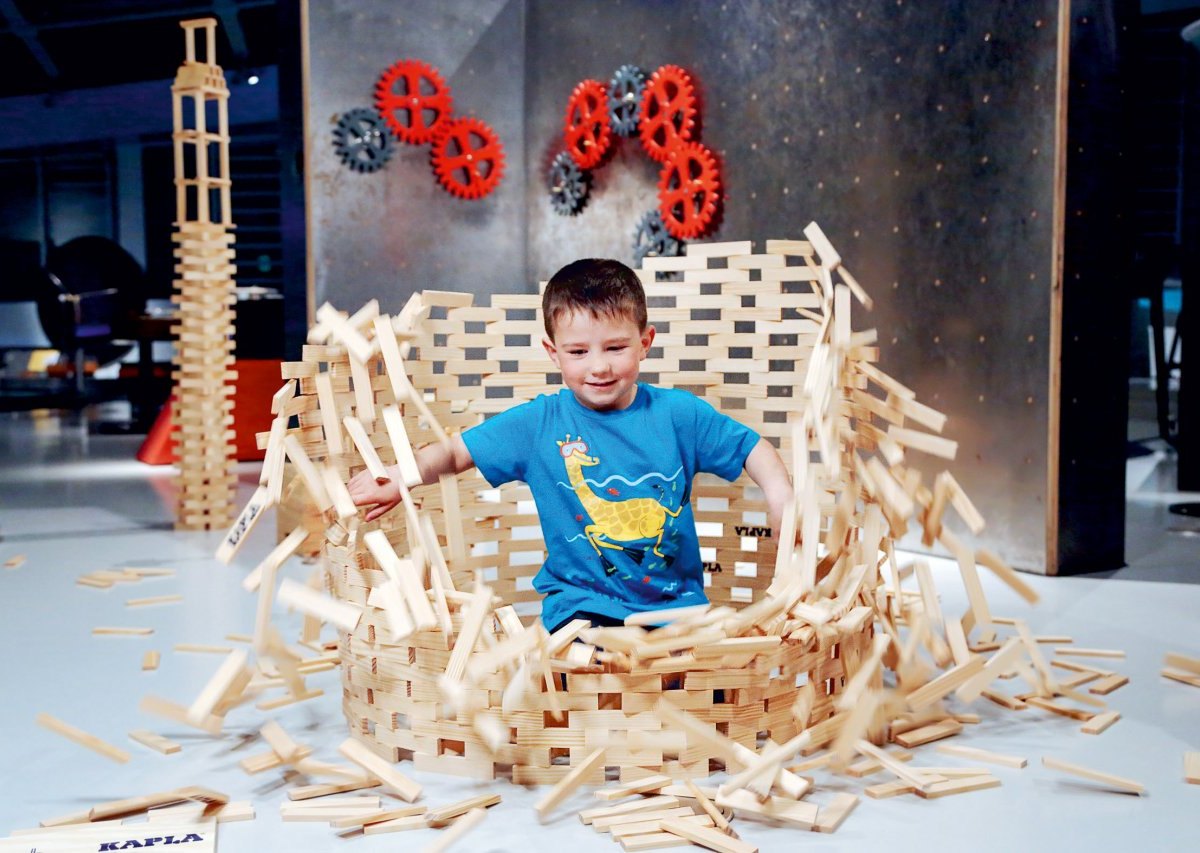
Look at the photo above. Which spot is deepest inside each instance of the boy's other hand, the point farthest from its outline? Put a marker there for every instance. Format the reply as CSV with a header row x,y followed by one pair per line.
x,y
380,497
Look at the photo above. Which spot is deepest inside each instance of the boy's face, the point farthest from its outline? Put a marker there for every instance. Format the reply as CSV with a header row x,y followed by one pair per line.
x,y
600,358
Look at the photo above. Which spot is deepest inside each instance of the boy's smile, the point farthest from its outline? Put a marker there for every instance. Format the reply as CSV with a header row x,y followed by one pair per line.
x,y
600,358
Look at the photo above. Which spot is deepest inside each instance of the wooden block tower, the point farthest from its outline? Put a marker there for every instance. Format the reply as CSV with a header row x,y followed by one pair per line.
x,y
202,424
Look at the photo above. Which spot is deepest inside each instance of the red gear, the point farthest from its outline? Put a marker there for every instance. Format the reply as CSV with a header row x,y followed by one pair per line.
x,y
467,158
587,130
668,111
413,100
689,190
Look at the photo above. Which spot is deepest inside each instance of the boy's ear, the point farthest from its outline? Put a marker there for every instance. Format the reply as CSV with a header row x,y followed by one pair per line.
x,y
551,350
647,340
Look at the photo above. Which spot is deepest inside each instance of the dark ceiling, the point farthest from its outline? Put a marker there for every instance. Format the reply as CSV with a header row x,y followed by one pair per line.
x,y
57,45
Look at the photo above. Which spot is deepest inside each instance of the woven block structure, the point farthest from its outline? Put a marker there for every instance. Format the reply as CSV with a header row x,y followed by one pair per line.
x,y
443,658
202,412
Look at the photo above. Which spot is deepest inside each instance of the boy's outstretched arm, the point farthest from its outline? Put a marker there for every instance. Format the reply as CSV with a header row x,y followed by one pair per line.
x,y
766,469
433,461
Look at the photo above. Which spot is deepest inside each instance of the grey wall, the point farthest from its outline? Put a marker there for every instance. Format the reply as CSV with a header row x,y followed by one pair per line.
x,y
387,234
921,136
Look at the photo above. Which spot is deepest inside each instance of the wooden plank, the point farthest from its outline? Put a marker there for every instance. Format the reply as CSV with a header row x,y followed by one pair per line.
x,y
1183,662
1100,722
460,828
393,421
357,752
82,738
150,660
344,615
708,837
152,600
1076,651
444,814
1124,786
927,734
628,789
325,789
370,457
352,821
645,804
976,754
1108,684
155,741
965,785
217,686
1191,767
830,817
567,785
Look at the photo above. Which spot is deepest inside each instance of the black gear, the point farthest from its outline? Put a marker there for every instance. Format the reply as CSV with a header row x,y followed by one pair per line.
x,y
652,239
362,140
569,185
625,99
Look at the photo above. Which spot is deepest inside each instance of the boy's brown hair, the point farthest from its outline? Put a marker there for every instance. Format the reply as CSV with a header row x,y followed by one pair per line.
x,y
601,287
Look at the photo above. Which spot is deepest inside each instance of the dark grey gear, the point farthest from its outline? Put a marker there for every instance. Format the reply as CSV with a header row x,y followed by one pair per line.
x,y
625,99
362,140
653,240
569,185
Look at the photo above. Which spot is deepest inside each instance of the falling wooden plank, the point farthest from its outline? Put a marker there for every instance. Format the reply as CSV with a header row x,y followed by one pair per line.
x,y
460,828
307,600
378,767
155,741
567,785
82,738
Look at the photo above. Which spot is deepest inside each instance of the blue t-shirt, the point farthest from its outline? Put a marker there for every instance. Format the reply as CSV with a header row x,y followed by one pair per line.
x,y
613,493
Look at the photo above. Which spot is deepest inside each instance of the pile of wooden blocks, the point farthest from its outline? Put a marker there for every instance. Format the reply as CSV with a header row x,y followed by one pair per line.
x,y
441,665
202,411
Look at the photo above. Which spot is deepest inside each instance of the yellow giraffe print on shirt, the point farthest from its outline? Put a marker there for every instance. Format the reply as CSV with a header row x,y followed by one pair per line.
x,y
612,521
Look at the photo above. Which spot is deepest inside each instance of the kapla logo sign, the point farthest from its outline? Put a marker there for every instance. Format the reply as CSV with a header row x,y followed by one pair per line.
x,y
162,840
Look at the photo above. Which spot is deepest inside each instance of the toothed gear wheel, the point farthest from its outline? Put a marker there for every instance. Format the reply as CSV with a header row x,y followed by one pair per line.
x,y
625,99
689,190
362,140
586,128
569,185
653,240
668,111
414,100
468,158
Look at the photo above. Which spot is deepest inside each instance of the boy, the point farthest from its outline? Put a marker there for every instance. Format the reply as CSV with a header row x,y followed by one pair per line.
x,y
610,461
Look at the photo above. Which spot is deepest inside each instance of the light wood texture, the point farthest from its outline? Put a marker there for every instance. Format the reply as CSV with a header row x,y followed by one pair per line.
x,y
1125,786
155,741
567,785
82,738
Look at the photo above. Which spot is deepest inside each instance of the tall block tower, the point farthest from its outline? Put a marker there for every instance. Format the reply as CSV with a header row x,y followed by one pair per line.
x,y
202,418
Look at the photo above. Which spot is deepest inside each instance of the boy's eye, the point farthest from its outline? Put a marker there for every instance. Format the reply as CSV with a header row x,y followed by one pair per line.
x,y
577,352
616,348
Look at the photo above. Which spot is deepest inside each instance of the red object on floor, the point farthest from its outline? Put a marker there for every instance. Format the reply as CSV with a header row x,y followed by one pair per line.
x,y
156,449
257,382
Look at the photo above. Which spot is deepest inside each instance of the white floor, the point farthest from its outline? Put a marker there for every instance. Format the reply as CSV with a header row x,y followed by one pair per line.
x,y
72,503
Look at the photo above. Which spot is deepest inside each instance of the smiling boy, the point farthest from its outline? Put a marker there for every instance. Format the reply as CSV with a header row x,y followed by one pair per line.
x,y
610,460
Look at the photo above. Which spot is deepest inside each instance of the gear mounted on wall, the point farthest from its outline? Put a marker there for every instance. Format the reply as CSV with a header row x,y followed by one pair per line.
x,y
467,158
663,111
569,185
414,100
625,99
586,128
668,111
362,141
689,190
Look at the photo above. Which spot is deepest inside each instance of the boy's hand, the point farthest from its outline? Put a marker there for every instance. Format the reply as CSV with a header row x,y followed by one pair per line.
x,y
381,497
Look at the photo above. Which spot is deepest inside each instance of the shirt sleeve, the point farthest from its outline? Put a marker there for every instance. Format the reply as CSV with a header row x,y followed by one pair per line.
x,y
496,447
722,443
